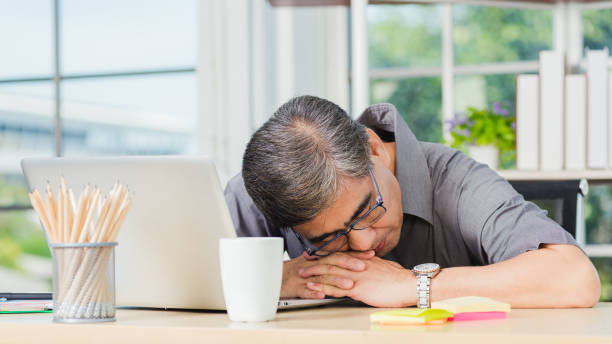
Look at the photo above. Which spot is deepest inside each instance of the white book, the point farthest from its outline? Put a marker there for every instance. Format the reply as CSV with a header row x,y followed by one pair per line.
x,y
527,122
597,105
552,77
575,122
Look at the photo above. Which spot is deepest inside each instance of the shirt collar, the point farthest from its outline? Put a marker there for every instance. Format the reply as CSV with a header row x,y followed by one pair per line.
x,y
411,169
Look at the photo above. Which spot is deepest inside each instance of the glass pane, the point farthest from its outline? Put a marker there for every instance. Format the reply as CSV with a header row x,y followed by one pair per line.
x,y
130,115
598,214
118,35
26,130
553,207
419,100
26,38
404,35
597,28
492,34
25,261
481,91
604,267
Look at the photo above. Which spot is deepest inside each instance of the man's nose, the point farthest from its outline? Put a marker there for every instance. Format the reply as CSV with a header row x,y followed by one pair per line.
x,y
362,239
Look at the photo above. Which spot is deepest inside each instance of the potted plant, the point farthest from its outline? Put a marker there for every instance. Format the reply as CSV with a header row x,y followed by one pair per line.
x,y
485,134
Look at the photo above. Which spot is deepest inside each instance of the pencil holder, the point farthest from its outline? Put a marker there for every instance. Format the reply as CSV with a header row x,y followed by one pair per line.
x,y
83,282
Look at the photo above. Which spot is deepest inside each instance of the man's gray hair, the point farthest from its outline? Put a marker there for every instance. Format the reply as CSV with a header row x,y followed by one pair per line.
x,y
295,164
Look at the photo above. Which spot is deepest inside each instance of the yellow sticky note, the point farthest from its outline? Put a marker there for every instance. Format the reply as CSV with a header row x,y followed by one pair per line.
x,y
410,316
471,304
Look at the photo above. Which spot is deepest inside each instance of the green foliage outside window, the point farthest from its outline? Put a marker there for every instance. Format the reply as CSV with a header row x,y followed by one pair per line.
x,y
19,231
493,34
404,36
597,28
418,100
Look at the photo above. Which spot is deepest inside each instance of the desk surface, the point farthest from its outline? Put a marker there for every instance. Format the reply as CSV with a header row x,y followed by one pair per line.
x,y
319,325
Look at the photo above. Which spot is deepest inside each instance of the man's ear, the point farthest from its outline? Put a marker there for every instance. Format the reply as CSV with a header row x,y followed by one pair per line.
x,y
378,149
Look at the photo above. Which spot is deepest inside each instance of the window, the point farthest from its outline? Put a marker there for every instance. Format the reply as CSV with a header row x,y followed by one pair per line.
x,y
484,34
404,36
489,45
128,86
597,34
597,28
598,215
404,39
419,101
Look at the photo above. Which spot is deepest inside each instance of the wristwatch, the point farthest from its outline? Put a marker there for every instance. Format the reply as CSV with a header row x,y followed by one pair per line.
x,y
424,273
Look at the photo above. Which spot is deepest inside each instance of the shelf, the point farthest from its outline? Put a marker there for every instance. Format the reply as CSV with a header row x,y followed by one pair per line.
x,y
590,175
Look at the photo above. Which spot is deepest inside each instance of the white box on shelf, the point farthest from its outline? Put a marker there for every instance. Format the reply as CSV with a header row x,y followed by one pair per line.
x,y
527,122
575,122
552,77
597,105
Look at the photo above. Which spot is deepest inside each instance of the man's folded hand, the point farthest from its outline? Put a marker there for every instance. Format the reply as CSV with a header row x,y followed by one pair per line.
x,y
295,285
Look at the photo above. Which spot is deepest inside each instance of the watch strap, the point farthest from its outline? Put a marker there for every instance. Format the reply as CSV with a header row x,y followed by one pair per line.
x,y
423,287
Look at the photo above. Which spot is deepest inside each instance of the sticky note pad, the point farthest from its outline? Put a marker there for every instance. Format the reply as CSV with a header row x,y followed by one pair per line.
x,y
471,304
471,316
410,316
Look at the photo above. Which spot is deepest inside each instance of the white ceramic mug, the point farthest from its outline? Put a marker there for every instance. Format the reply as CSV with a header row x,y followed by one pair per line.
x,y
252,272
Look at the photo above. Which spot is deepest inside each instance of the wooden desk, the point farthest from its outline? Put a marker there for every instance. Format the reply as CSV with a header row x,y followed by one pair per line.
x,y
336,325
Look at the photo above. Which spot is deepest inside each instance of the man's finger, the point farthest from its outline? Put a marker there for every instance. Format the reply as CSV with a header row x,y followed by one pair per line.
x,y
322,269
312,294
345,261
336,281
361,254
328,289
306,256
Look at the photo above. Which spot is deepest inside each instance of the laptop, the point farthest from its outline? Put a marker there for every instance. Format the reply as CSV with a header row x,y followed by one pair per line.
x,y
168,255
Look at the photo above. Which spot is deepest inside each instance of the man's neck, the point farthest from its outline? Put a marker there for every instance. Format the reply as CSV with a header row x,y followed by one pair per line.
x,y
390,147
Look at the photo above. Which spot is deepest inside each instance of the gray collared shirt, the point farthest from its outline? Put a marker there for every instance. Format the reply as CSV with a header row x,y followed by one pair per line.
x,y
457,212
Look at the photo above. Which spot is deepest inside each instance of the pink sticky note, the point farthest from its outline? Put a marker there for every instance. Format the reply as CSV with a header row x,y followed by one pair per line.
x,y
470,316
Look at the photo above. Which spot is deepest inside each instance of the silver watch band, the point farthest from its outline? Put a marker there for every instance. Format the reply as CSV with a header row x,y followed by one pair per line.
x,y
423,283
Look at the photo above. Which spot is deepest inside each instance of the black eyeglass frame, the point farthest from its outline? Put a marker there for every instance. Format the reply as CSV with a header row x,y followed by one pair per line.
x,y
379,203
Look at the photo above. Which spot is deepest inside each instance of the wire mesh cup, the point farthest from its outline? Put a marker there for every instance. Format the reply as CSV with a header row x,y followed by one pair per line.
x,y
83,282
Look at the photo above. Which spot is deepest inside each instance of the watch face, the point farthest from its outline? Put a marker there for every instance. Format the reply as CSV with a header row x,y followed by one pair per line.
x,y
427,267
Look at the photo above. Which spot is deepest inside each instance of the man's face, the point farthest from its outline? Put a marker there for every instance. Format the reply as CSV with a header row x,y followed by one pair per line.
x,y
354,200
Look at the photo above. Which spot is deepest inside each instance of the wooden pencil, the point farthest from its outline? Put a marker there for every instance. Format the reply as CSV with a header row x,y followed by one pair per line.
x,y
83,290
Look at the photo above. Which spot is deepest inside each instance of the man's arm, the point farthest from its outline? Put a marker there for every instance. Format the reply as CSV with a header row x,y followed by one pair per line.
x,y
553,276
532,261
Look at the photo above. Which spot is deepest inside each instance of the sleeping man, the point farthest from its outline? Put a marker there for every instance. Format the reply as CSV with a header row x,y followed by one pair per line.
x,y
369,212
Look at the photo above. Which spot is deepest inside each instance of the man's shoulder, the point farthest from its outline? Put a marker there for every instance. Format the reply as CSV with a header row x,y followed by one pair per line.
x,y
235,184
449,165
435,150
236,193
440,158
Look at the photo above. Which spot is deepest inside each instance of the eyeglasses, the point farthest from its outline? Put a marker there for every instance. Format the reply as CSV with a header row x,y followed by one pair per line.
x,y
339,239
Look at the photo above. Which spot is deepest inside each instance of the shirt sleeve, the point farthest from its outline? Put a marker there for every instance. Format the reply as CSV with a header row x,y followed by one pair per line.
x,y
250,222
247,219
495,219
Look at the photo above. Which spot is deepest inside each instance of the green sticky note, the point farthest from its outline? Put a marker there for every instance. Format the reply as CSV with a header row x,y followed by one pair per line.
x,y
17,312
410,315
